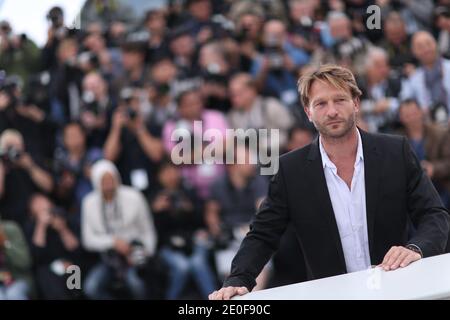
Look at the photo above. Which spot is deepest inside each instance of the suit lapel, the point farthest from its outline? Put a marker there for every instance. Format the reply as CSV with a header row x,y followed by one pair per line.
x,y
316,178
372,170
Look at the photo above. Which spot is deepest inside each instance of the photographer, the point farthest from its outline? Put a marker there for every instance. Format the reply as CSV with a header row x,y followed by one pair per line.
x,y
18,54
303,32
430,83
15,263
184,247
252,111
275,69
431,145
65,84
55,34
343,46
249,23
215,69
27,114
132,143
96,109
190,109
133,64
72,165
53,245
20,177
230,208
117,223
159,89
109,59
156,25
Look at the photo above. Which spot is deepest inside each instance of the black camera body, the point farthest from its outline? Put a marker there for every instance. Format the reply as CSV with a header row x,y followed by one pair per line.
x,y
138,256
9,85
90,102
11,155
242,35
274,52
126,96
38,90
439,113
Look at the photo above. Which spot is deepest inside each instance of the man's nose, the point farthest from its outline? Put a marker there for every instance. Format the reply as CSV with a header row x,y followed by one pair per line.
x,y
331,109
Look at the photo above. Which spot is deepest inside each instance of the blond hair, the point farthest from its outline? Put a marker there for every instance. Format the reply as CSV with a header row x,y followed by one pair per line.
x,y
335,75
9,134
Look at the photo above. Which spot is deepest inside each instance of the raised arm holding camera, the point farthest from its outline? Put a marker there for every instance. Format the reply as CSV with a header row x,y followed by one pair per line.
x,y
20,172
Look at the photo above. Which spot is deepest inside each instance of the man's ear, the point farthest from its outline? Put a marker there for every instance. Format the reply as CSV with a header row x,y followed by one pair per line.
x,y
306,109
357,103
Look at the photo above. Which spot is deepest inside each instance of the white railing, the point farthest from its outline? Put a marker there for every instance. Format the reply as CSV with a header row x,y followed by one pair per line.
x,y
428,278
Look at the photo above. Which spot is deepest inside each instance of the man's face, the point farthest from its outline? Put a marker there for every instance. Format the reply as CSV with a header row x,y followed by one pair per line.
x,y
132,59
40,205
340,29
424,48
108,185
95,83
379,69
410,114
395,31
241,95
183,45
191,106
74,138
331,109
201,9
157,22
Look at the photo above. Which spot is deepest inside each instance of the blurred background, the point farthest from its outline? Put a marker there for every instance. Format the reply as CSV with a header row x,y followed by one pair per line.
x,y
91,92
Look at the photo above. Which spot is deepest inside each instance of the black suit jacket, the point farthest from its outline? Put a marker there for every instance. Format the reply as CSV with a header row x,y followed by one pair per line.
x,y
397,191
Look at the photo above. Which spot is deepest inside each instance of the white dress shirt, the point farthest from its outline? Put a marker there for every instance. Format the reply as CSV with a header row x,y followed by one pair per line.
x,y
349,206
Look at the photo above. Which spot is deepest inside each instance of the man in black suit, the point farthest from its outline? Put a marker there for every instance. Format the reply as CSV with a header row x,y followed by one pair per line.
x,y
350,196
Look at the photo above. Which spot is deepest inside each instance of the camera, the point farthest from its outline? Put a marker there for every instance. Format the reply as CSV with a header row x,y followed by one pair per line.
x,y
126,96
243,35
11,155
274,52
138,256
88,58
9,86
439,113
348,48
90,103
162,89
38,90
213,74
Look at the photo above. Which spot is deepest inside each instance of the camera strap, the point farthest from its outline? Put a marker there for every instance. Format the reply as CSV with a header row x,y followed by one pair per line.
x,y
109,225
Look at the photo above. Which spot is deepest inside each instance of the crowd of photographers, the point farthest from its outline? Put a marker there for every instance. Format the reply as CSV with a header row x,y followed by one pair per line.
x,y
86,123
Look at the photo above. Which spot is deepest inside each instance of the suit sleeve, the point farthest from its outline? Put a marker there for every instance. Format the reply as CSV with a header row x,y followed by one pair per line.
x,y
428,214
263,238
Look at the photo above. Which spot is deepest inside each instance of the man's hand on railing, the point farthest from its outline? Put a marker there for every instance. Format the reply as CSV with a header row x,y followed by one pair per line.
x,y
227,293
399,257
